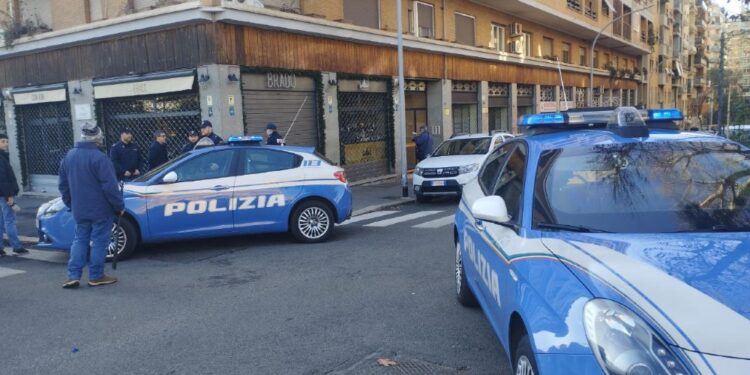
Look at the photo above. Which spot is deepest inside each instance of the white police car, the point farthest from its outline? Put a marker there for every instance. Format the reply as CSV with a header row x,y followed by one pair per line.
x,y
453,163
609,242
234,189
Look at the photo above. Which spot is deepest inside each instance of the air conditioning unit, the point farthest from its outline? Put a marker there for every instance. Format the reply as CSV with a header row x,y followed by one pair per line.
x,y
516,46
516,29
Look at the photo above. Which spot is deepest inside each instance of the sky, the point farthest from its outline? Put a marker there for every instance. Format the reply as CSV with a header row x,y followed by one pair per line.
x,y
732,6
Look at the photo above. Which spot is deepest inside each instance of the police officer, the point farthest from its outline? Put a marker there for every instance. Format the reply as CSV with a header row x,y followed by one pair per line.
x,y
88,186
125,156
207,130
274,138
157,153
423,141
192,140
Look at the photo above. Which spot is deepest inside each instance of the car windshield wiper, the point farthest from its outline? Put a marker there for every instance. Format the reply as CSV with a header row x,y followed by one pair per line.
x,y
730,228
570,228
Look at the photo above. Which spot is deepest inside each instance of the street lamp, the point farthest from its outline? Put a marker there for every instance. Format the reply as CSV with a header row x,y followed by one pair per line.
x,y
593,45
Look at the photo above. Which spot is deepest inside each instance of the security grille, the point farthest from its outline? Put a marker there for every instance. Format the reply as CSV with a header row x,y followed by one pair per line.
x,y
45,135
175,114
2,119
567,94
364,134
631,94
548,93
580,97
597,98
607,96
616,98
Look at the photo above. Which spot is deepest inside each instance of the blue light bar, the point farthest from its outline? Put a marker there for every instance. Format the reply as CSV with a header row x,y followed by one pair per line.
x,y
669,114
543,119
245,139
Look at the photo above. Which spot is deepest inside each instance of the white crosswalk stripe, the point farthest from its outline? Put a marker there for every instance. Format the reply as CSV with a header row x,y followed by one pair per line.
x,y
371,215
437,223
5,272
401,219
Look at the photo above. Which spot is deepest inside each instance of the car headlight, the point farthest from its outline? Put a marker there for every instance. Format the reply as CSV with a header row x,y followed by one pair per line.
x,y
418,171
624,344
51,208
468,168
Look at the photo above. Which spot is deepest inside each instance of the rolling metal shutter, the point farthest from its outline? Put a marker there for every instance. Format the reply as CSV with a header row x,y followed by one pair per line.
x,y
276,98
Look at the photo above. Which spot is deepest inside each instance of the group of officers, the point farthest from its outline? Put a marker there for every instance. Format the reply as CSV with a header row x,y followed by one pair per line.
x,y
126,157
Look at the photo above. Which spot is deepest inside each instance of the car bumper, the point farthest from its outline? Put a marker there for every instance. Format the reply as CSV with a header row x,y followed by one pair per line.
x,y
441,185
55,232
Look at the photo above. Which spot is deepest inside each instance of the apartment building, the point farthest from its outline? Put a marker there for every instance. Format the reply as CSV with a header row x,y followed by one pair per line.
x,y
471,66
737,34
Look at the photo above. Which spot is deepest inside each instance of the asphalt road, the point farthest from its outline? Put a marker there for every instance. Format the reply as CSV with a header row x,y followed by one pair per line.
x,y
381,288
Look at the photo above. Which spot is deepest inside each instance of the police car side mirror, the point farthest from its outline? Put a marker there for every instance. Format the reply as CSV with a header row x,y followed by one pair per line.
x,y
491,208
169,178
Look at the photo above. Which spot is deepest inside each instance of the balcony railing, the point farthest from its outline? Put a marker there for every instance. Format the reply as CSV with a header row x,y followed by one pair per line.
x,y
699,82
644,37
575,5
591,12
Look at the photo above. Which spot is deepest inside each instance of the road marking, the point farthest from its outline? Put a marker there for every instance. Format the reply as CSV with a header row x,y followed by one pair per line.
x,y
437,223
371,215
401,219
43,255
25,239
5,272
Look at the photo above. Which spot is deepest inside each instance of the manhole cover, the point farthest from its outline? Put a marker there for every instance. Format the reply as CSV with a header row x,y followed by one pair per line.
x,y
389,364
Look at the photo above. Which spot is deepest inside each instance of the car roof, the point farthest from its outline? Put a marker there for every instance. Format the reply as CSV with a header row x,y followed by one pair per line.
x,y
480,135
589,137
295,149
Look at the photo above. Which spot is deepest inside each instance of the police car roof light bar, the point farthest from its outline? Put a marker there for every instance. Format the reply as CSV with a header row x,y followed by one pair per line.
x,y
665,114
245,139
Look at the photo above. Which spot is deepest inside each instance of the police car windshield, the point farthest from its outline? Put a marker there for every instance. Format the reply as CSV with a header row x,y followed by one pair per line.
x,y
147,176
465,146
645,187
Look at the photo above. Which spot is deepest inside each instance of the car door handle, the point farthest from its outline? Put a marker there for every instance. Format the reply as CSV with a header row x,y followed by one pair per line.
x,y
220,187
479,225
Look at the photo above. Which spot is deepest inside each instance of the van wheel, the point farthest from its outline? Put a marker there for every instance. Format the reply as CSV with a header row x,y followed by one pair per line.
x,y
312,221
124,239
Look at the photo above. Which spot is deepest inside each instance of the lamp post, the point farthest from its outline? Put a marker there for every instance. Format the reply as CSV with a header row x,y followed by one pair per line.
x,y
401,101
593,45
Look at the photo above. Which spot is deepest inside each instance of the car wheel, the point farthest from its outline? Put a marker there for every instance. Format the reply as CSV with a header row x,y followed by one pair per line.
x,y
312,221
421,198
524,362
124,239
463,293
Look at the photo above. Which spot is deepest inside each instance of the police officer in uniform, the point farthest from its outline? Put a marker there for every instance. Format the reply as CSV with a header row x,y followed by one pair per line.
x,y
274,138
157,153
192,140
125,156
207,130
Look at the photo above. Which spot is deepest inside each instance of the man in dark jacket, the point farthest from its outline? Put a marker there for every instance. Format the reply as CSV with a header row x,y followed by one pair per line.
x,y
207,130
274,138
423,141
88,186
157,153
8,192
125,156
192,141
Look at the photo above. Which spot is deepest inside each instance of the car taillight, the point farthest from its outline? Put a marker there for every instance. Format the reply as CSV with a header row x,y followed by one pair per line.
x,y
340,175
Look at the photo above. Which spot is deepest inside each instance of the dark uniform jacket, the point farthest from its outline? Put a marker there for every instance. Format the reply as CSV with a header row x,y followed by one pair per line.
x,y
157,155
126,158
424,145
88,184
214,137
274,139
8,183
188,147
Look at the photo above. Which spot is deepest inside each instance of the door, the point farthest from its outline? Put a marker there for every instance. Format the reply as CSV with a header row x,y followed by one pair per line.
x,y
199,203
267,184
416,118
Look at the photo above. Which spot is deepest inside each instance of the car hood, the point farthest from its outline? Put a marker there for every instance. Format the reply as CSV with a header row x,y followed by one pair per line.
x,y
695,286
450,161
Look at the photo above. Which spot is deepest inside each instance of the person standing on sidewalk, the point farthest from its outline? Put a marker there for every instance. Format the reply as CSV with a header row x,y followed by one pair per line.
x,y
8,192
207,130
88,186
192,141
423,141
126,157
157,153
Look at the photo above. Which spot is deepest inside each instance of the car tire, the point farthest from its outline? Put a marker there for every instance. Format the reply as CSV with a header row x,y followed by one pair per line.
x,y
125,237
312,221
463,293
421,198
524,362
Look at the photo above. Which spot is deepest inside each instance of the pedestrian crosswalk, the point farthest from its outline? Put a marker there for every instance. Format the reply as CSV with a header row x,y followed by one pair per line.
x,y
5,272
428,219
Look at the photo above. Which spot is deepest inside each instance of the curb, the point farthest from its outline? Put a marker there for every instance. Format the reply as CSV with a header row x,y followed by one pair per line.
x,y
379,207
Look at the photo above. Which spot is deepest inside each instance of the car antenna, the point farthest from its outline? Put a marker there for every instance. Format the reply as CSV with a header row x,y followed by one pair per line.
x,y
565,95
295,119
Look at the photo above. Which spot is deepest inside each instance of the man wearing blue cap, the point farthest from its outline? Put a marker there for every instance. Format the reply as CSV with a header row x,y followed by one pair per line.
x,y
207,130
125,156
192,141
274,138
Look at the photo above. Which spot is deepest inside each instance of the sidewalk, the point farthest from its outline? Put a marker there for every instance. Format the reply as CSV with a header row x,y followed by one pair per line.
x,y
366,198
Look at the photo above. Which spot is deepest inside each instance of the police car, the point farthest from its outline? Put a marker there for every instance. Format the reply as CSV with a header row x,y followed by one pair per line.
x,y
609,242
453,163
235,189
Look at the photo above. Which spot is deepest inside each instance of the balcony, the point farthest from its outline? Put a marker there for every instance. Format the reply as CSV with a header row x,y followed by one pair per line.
x,y
664,49
699,82
662,79
574,5
677,29
699,61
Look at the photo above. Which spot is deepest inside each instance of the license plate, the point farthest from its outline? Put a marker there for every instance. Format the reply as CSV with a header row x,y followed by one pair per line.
x,y
438,183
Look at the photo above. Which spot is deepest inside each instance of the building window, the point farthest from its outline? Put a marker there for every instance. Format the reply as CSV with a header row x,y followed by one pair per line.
x,y
605,8
627,28
607,61
575,5
566,53
591,8
464,29
617,24
527,44
596,59
582,56
363,12
497,39
424,20
547,49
